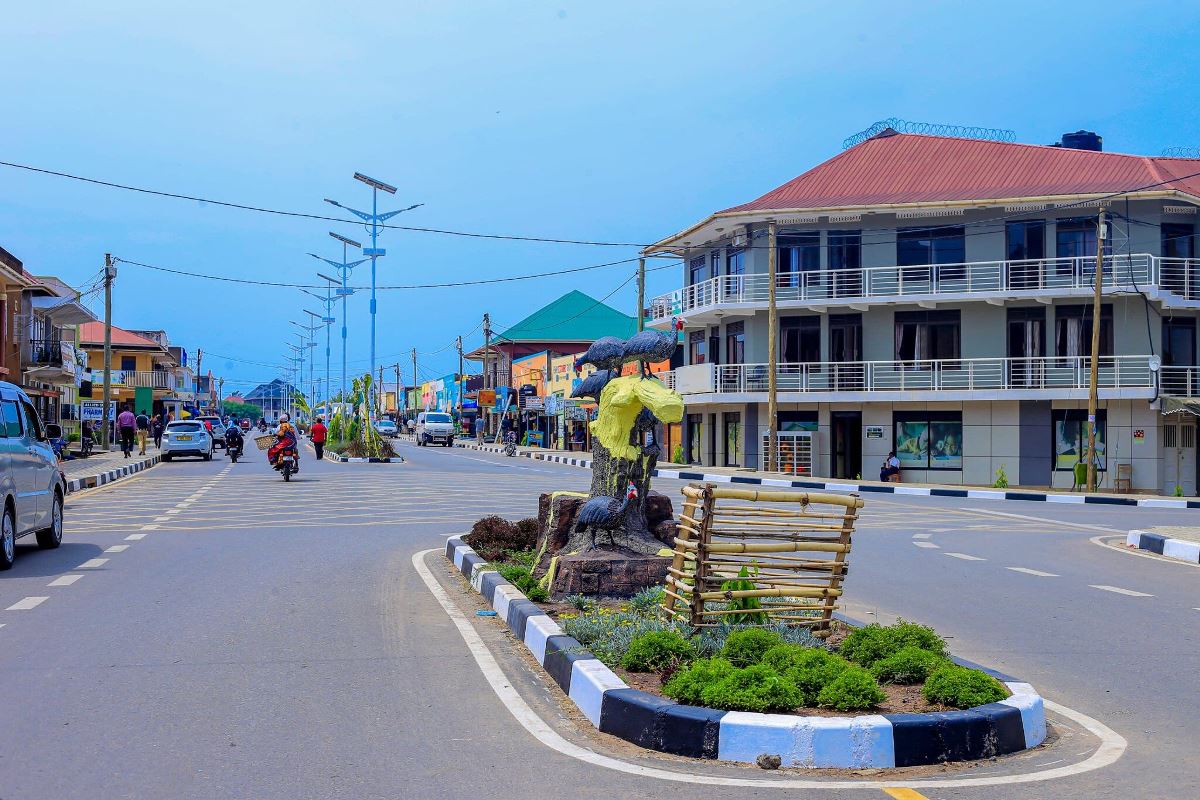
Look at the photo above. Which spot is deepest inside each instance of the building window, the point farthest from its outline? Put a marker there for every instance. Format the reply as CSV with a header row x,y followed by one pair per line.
x,y
928,439
798,421
923,246
1075,238
845,261
799,339
1070,438
735,262
1025,242
714,263
735,343
1073,331
927,335
128,363
695,444
696,347
733,438
1178,247
797,253
696,271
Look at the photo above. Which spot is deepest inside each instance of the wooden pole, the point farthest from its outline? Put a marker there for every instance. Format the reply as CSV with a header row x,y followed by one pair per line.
x,y
641,309
772,354
110,272
1095,365
487,376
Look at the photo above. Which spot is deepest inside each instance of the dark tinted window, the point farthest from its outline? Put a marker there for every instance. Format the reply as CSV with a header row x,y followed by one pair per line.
x,y
184,427
12,417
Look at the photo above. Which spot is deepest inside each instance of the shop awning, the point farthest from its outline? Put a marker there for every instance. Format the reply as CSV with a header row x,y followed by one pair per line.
x,y
64,311
1173,405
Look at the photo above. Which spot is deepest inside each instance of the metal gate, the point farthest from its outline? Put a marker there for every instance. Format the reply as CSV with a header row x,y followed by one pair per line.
x,y
1179,457
796,450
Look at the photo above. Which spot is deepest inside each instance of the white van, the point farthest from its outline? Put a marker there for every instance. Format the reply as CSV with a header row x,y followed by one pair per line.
x,y
31,484
435,426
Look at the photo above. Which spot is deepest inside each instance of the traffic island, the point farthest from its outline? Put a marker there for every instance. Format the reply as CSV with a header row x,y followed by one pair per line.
x,y
128,468
1182,544
857,741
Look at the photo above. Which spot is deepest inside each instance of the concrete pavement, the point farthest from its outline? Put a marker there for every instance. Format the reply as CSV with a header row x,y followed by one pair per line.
x,y
256,638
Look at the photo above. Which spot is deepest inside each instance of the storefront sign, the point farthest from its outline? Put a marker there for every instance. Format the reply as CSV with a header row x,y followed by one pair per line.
x,y
487,397
89,410
533,403
1139,436
874,431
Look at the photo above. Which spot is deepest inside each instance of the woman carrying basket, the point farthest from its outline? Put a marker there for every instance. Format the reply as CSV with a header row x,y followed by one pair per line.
x,y
285,438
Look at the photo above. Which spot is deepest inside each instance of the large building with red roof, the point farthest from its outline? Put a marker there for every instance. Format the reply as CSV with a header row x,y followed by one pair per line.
x,y
934,298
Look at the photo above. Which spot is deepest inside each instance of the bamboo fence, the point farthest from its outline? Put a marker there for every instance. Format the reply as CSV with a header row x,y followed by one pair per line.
x,y
786,561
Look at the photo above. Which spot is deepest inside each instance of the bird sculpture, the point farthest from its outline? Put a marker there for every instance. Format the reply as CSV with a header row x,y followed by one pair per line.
x,y
605,513
606,353
592,385
652,346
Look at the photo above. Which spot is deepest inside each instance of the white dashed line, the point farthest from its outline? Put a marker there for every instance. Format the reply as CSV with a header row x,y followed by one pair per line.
x,y
65,580
135,537
172,512
1118,590
117,548
27,603
1036,572
93,563
922,535
927,545
162,519
149,528
965,557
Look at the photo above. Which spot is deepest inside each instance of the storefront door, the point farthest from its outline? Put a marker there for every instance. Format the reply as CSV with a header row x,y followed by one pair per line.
x,y
846,445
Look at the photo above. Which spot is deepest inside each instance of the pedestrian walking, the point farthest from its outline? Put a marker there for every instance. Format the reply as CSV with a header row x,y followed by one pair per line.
x,y
126,423
156,430
479,429
318,434
142,422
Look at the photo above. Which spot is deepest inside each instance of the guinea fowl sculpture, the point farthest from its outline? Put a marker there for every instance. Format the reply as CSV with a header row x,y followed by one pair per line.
x,y
605,513
592,385
606,353
652,346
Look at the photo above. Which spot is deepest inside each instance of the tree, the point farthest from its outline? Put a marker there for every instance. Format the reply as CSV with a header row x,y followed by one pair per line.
x,y
242,410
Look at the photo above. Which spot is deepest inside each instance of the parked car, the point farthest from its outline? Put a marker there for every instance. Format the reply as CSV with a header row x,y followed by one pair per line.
x,y
188,437
387,427
32,485
435,426
218,428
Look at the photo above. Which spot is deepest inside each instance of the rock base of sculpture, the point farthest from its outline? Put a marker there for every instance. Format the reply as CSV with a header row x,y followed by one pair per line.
x,y
603,572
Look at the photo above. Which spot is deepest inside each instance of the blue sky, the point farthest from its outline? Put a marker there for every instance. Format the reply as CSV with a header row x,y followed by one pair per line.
x,y
612,121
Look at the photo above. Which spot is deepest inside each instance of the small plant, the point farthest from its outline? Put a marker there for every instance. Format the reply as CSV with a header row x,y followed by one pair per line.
x,y
677,454
1178,490
809,668
1001,478
747,604
526,533
659,650
754,688
687,685
866,645
961,687
647,600
608,634
579,602
520,577
492,536
537,594
907,665
853,689
747,647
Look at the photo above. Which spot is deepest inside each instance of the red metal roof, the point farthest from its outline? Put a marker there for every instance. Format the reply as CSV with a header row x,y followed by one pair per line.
x,y
93,333
895,168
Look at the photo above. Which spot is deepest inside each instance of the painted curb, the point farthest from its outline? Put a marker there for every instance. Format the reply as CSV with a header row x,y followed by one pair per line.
x,y
348,460
1180,549
877,488
124,471
879,741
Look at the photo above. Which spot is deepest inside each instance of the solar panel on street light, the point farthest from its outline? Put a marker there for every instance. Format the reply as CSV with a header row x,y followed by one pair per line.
x,y
344,240
380,185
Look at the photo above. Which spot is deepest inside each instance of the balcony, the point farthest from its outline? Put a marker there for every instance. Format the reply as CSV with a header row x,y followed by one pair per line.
x,y
1173,280
155,379
1119,377
49,361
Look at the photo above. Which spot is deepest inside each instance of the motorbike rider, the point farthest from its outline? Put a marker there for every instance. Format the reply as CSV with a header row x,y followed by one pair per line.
x,y
285,438
233,437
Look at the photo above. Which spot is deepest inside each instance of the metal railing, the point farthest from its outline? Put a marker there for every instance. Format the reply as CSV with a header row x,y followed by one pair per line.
x,y
1179,381
794,452
959,374
44,352
1175,275
153,379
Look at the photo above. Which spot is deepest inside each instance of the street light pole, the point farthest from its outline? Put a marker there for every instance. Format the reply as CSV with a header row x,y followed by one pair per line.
x,y
328,320
344,290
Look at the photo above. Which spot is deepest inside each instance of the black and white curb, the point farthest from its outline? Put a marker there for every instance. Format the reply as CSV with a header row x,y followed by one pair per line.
x,y
1180,549
879,741
372,460
124,471
877,488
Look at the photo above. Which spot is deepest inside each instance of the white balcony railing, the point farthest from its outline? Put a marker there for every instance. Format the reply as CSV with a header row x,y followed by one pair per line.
x,y
1175,275
1179,381
152,379
960,374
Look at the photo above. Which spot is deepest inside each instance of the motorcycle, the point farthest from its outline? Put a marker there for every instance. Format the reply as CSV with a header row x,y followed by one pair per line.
x,y
510,443
286,463
233,445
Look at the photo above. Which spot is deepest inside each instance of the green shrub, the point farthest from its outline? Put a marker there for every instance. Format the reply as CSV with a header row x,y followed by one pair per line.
x,y
961,687
491,536
521,578
608,634
580,602
657,650
748,604
527,531
747,647
647,600
874,642
1001,478
688,684
755,688
853,689
809,668
907,665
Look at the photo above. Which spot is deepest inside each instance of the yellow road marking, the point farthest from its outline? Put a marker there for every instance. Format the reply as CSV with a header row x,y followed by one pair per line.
x,y
905,794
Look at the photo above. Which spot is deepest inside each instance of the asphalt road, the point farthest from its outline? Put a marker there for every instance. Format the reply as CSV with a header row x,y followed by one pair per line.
x,y
251,638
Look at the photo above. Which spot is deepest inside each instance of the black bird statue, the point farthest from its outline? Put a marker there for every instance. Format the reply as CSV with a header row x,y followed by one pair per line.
x,y
605,513
606,353
652,346
592,385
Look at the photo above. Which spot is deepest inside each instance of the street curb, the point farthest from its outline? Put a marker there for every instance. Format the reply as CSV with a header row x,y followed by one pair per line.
x,y
1179,549
92,481
879,741
348,460
877,488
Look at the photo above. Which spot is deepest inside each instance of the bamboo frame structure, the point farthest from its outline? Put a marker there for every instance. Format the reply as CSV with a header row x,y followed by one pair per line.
x,y
793,554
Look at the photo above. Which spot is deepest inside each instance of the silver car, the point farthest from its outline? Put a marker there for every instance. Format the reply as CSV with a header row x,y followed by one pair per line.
x,y
187,437
32,485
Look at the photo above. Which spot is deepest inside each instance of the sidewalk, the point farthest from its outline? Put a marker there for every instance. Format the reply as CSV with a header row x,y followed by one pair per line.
x,y
101,468
1172,541
756,478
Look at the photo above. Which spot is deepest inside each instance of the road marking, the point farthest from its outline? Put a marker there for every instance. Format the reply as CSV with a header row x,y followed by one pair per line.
x,y
904,794
928,545
135,537
1036,572
964,557
922,535
162,519
117,548
941,530
172,512
1119,590
93,563
148,528
27,603
65,580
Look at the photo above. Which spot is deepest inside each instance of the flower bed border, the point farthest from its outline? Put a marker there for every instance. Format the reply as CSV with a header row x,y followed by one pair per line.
x,y
880,741
362,460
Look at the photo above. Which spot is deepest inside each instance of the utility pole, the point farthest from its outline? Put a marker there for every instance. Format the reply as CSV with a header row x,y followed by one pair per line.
x,y
415,382
221,396
458,346
487,375
772,354
396,367
641,314
380,392
344,267
110,273
1093,393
